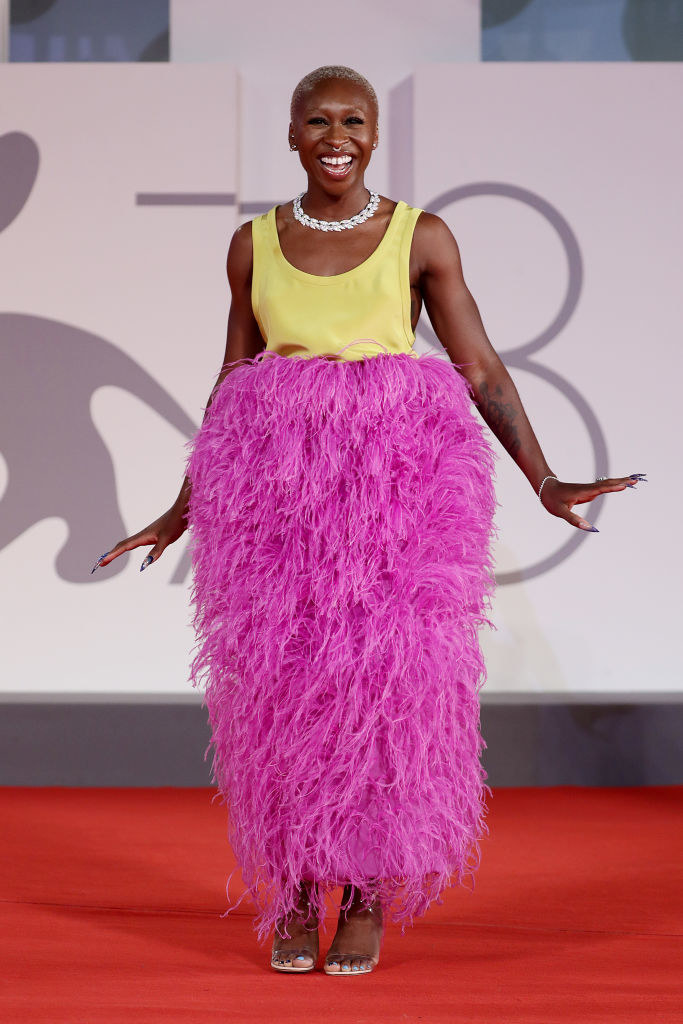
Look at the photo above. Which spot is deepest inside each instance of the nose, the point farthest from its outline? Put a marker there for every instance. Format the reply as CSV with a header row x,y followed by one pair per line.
x,y
336,136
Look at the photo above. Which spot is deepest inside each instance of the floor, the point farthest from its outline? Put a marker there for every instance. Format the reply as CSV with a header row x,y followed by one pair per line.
x,y
111,903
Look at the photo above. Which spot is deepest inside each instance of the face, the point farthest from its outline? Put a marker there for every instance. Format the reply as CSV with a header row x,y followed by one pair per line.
x,y
335,131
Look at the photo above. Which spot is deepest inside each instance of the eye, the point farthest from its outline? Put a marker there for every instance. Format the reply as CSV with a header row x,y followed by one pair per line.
x,y
356,120
316,120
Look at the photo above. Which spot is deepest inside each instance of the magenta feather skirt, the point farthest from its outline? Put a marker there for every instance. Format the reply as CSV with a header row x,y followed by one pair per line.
x,y
341,519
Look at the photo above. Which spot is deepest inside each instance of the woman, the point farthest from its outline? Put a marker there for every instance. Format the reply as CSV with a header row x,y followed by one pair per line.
x,y
340,499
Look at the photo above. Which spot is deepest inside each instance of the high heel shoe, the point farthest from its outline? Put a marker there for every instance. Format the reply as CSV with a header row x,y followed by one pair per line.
x,y
292,961
339,964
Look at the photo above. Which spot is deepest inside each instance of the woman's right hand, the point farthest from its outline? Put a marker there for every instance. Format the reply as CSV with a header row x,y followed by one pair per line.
x,y
162,532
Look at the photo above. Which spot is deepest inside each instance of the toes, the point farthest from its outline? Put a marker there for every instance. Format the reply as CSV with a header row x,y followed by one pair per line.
x,y
350,964
293,958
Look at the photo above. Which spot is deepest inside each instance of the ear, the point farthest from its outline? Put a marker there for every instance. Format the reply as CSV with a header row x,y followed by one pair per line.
x,y
290,136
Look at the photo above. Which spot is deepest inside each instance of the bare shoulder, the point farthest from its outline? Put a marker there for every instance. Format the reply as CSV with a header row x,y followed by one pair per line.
x,y
241,245
432,232
434,246
240,254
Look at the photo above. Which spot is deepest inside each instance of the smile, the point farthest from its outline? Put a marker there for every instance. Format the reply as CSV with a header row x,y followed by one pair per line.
x,y
336,166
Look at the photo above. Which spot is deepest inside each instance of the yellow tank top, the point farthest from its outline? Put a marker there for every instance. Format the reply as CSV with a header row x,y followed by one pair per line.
x,y
358,313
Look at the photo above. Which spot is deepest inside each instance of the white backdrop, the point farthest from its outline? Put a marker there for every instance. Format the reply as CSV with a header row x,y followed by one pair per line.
x,y
151,280
595,143
588,148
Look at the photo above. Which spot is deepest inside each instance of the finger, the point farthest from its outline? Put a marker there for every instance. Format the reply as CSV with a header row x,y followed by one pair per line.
x,y
588,492
580,522
99,561
155,553
620,483
144,537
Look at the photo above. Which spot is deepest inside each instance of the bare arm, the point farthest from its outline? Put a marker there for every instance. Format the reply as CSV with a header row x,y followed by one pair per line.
x,y
243,341
458,325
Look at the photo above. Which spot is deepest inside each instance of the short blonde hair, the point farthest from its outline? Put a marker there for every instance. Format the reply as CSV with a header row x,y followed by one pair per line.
x,y
329,73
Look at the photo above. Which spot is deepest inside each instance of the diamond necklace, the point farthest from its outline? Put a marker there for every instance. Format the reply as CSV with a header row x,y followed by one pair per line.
x,y
335,225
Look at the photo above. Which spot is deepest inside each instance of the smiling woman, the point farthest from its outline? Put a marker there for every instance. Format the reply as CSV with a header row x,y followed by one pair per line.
x,y
340,498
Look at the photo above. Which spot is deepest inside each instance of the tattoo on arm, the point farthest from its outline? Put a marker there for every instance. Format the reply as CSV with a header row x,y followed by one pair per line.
x,y
499,416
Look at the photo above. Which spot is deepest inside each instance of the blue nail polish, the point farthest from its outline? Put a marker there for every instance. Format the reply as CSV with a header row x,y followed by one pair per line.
x,y
593,529
97,563
147,561
345,967
634,476
355,967
301,958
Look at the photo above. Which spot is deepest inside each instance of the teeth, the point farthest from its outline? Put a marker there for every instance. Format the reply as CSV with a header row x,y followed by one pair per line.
x,y
336,159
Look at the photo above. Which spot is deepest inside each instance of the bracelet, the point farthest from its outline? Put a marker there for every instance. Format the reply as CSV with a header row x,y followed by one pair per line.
x,y
549,477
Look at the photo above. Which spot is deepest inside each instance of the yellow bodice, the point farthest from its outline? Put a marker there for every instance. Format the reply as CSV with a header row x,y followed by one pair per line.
x,y
366,308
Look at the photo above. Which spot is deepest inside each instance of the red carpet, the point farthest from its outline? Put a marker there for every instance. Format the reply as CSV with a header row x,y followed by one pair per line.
x,y
111,903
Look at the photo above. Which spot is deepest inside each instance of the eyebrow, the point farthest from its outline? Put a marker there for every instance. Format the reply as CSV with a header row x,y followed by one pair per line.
x,y
348,110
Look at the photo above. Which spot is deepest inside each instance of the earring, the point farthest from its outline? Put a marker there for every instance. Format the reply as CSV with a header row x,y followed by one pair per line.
x,y
292,146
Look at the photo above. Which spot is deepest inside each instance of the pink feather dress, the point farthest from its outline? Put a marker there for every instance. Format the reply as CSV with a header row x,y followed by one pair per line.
x,y
341,519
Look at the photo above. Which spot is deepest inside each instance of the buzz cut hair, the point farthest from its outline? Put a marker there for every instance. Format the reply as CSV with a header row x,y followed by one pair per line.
x,y
329,73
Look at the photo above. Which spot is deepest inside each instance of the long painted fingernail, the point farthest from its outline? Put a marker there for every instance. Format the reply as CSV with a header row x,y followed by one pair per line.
x,y
592,529
98,562
147,561
637,476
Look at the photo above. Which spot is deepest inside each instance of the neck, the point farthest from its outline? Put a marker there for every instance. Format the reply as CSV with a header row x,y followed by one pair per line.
x,y
322,205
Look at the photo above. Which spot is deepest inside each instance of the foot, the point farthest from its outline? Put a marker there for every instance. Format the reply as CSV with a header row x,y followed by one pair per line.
x,y
356,944
300,951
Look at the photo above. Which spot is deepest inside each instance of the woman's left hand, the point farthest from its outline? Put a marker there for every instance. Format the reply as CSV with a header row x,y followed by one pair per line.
x,y
559,498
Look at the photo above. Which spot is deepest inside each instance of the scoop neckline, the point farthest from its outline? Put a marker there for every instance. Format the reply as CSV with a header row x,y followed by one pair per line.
x,y
332,278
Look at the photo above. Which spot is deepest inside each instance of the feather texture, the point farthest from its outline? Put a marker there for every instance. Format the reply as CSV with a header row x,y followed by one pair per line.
x,y
341,515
